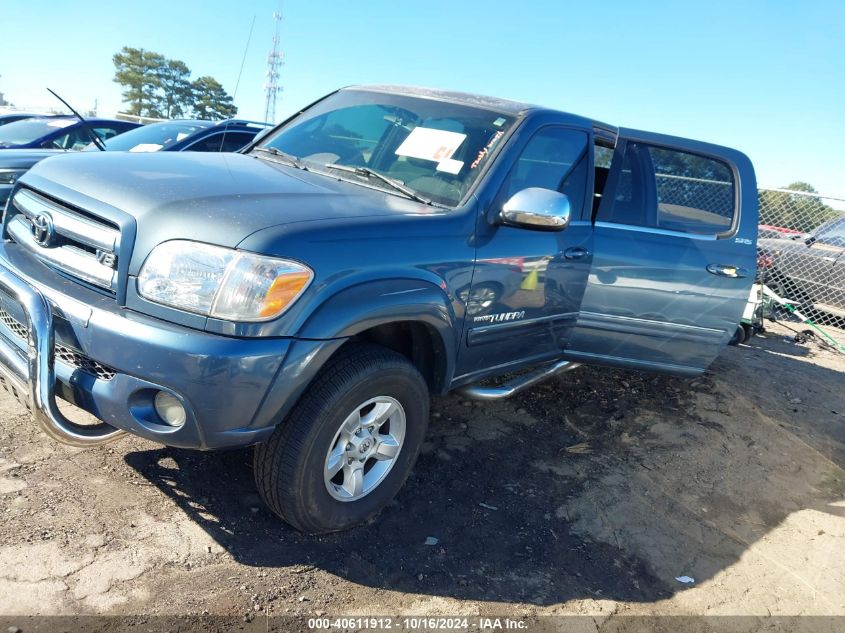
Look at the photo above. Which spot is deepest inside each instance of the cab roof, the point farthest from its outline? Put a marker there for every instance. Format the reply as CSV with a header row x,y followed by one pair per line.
x,y
505,106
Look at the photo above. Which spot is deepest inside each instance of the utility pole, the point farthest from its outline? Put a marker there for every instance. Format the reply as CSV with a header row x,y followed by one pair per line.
x,y
275,60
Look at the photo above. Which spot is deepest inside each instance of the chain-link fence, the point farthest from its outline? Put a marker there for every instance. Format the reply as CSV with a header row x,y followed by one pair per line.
x,y
801,239
801,247
706,194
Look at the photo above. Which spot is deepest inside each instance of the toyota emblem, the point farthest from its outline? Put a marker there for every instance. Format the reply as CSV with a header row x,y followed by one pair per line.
x,y
42,229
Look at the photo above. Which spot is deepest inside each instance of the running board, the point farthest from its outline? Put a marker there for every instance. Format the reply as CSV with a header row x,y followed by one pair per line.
x,y
516,385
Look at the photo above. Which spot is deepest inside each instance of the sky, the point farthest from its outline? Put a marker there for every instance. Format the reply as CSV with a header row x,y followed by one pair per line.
x,y
767,78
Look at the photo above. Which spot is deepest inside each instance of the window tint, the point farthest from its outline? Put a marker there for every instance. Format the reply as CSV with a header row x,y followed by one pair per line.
x,y
833,233
30,130
155,136
672,190
232,142
347,136
436,148
76,138
555,158
602,159
603,156
106,132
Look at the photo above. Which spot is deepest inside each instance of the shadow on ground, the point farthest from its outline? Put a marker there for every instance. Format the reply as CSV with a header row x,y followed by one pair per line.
x,y
495,486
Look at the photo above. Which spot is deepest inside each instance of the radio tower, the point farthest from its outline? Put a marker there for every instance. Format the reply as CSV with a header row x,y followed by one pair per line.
x,y
274,62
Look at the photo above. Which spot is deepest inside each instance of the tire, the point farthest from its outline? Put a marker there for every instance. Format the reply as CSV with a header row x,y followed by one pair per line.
x,y
739,336
292,468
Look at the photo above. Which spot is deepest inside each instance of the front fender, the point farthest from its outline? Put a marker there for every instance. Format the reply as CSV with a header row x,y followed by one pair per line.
x,y
367,305
351,312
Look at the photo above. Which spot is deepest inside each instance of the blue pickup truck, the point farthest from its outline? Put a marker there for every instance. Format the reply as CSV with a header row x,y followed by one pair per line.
x,y
309,293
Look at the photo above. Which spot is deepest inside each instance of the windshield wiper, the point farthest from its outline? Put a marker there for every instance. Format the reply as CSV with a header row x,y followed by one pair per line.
x,y
398,185
98,142
275,151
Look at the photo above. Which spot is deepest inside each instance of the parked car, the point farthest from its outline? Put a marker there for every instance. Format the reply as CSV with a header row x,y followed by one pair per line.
x,y
58,132
809,268
188,135
308,294
766,231
14,164
169,136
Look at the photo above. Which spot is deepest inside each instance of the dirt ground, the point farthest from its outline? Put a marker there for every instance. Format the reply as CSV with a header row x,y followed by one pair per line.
x,y
589,494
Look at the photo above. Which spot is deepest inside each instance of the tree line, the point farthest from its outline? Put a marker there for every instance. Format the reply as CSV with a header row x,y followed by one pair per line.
x,y
155,86
798,212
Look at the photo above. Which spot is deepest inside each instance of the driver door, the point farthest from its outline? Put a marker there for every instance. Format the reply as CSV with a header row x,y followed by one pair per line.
x,y
527,285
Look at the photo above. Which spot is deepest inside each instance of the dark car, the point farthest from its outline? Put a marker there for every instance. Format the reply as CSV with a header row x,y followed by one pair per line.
x,y
308,294
58,132
188,135
15,163
809,268
168,136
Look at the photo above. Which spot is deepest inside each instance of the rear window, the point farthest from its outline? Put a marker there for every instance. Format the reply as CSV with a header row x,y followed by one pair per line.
x,y
29,130
222,142
671,190
154,137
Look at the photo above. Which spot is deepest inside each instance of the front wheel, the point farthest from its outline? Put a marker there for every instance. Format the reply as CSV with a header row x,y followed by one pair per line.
x,y
349,444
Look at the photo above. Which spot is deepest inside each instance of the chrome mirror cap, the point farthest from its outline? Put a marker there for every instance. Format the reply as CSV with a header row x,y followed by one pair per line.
x,y
538,209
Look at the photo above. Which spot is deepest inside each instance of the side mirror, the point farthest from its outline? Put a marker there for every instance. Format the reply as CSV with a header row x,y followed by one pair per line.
x,y
538,209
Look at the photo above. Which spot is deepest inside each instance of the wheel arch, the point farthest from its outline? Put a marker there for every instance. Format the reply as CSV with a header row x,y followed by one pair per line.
x,y
413,318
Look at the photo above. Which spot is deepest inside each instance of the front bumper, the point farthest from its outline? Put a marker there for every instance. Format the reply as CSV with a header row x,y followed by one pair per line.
x,y
31,376
111,362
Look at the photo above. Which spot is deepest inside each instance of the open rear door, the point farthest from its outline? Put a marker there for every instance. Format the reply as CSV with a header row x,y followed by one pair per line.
x,y
674,255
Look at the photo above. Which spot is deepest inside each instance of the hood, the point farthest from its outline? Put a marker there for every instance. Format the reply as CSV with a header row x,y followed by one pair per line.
x,y
25,158
217,198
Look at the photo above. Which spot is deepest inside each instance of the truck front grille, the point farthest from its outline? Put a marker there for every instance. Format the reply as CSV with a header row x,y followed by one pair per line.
x,y
76,244
16,327
63,353
74,358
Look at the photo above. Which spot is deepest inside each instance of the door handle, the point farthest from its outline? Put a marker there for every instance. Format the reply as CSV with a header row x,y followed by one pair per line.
x,y
726,270
576,252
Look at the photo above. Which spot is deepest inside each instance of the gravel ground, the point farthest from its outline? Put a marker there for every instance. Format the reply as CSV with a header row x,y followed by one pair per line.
x,y
589,494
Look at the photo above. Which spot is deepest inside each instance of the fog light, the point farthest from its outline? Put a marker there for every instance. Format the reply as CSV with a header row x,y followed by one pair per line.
x,y
169,409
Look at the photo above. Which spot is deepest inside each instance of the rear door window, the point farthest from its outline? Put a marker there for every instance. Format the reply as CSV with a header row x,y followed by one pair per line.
x,y
672,190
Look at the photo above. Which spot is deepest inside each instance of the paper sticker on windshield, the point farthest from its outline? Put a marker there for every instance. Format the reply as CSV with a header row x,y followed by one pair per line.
x,y
181,135
61,122
430,144
146,147
450,165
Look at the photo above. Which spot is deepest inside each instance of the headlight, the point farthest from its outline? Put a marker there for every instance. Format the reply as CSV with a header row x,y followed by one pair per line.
x,y
221,282
10,176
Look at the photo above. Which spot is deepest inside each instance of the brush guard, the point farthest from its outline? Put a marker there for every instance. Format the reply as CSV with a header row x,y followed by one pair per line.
x,y
31,375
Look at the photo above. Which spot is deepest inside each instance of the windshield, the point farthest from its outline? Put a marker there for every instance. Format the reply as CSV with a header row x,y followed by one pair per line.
x,y
832,233
29,130
434,148
153,137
